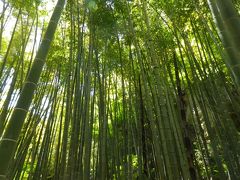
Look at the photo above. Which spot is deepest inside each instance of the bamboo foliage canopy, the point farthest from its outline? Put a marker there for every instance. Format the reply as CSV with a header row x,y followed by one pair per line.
x,y
119,89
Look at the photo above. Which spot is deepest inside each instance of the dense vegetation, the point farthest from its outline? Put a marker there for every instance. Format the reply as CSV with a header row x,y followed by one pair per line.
x,y
120,89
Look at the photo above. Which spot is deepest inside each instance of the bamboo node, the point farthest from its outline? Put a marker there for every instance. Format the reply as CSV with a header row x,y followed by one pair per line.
x,y
58,6
8,139
29,82
235,66
39,59
47,39
21,109
51,21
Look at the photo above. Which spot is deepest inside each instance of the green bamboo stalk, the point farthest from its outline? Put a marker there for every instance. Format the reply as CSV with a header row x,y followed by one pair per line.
x,y
228,24
9,139
10,44
2,19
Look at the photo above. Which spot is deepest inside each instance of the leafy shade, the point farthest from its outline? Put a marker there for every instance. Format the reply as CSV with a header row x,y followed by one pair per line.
x,y
127,90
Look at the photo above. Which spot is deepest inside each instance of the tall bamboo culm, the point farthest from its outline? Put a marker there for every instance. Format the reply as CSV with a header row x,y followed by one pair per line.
x,y
10,137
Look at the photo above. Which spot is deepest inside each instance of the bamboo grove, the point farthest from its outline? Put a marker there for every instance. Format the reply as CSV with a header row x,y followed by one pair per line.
x,y
120,89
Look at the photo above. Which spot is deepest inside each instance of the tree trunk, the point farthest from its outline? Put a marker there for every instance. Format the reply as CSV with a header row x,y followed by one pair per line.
x,y
9,139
